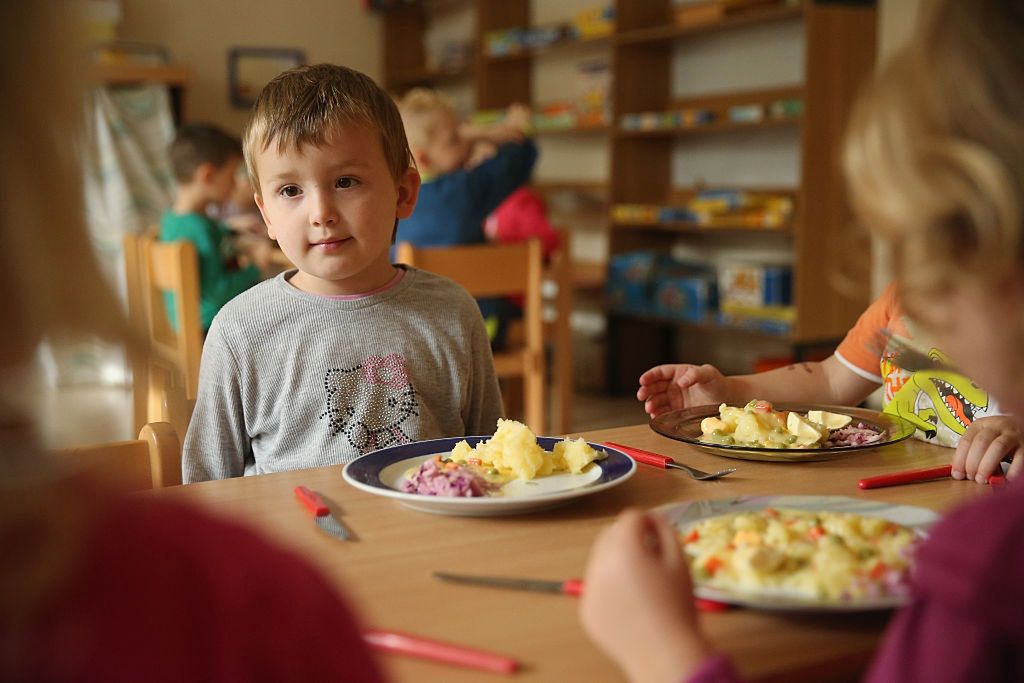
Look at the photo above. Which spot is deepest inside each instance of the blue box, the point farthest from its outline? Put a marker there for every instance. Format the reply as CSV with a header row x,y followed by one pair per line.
x,y
628,297
691,298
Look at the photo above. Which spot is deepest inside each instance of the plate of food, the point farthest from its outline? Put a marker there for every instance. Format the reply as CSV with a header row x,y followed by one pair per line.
x,y
789,432
800,553
509,473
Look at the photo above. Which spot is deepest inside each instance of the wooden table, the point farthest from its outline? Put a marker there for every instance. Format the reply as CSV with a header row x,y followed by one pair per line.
x,y
387,572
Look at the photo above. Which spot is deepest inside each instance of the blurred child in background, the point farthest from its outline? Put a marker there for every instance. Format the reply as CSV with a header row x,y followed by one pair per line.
x,y
205,160
935,162
455,201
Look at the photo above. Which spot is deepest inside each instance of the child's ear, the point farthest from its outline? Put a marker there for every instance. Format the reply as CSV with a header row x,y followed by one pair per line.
x,y
205,172
263,212
408,191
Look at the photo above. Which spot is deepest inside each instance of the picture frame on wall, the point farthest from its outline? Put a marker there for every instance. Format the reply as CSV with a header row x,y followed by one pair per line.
x,y
250,68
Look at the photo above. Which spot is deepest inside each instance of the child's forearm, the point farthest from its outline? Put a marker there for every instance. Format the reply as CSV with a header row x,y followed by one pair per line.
x,y
825,382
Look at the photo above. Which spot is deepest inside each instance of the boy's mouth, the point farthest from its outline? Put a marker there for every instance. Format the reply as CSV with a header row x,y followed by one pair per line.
x,y
329,244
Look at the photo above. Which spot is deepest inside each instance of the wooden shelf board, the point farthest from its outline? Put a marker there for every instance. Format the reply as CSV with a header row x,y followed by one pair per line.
x,y
560,46
412,77
665,35
581,186
575,130
723,101
705,326
688,228
589,274
120,74
710,128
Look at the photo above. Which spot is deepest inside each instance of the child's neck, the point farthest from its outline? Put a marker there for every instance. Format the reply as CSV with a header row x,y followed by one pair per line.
x,y
190,200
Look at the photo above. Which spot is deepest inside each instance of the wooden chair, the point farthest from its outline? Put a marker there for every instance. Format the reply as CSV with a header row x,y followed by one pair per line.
x,y
559,333
165,381
493,271
151,461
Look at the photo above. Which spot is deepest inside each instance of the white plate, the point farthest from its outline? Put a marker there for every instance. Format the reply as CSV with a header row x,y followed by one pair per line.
x,y
684,515
382,473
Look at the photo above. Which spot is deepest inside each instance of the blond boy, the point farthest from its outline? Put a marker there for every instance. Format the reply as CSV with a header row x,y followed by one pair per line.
x,y
454,202
348,353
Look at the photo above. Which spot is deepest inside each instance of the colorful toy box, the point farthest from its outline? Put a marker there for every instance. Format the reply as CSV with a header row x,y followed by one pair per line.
x,y
692,298
746,284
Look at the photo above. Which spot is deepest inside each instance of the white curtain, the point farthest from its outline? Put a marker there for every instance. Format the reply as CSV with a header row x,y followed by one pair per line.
x,y
128,185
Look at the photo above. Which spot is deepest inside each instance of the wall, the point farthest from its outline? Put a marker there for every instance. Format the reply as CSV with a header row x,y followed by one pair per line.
x,y
199,33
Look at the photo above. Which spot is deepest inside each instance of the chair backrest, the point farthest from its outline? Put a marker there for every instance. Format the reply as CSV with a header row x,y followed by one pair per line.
x,y
154,269
496,270
151,461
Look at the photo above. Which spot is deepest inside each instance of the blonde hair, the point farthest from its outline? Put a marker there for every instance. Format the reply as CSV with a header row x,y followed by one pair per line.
x,y
422,110
306,104
935,151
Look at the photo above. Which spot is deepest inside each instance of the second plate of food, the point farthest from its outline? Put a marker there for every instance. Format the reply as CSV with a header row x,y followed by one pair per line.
x,y
800,553
867,429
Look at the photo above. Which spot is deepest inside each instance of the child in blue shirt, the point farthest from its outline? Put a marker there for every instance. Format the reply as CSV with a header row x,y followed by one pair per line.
x,y
453,201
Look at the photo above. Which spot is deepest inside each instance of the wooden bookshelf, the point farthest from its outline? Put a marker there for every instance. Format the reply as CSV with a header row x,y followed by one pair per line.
x,y
562,46
666,33
839,51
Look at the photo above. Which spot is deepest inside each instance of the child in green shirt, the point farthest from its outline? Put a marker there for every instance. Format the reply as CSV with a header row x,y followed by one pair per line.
x,y
205,159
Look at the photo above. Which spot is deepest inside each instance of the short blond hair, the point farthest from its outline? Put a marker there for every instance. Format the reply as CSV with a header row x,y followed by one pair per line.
x,y
421,110
306,104
935,150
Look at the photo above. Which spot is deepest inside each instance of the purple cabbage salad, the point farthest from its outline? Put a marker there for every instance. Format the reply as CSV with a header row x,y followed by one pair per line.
x,y
851,435
437,477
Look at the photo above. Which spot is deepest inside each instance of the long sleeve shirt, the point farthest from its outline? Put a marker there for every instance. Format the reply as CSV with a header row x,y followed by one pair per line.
x,y
290,380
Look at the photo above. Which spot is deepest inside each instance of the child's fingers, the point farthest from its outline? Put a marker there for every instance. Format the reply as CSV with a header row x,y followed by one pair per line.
x,y
960,455
982,440
993,456
1016,465
671,553
659,373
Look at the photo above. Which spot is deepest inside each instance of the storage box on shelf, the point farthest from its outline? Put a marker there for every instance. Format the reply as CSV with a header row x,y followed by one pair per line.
x,y
811,221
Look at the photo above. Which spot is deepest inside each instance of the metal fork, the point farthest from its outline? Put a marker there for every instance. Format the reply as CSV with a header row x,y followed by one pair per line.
x,y
663,461
903,353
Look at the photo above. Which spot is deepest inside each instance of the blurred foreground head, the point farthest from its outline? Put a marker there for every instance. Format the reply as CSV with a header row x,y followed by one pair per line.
x,y
51,283
935,164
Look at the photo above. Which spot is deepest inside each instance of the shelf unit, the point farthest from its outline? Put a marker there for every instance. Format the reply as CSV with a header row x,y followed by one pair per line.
x,y
839,52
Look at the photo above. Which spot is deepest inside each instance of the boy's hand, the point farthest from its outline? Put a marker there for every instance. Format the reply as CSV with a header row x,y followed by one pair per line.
x,y
985,444
671,387
518,116
637,604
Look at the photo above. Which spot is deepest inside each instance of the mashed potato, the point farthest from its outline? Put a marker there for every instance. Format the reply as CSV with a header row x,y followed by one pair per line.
x,y
513,452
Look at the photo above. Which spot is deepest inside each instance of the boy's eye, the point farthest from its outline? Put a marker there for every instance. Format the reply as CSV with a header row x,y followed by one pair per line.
x,y
345,183
290,191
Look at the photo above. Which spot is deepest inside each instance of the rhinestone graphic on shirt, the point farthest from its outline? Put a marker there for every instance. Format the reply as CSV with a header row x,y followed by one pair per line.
x,y
369,403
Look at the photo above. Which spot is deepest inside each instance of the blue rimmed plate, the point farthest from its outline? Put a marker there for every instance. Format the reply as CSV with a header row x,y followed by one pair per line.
x,y
382,473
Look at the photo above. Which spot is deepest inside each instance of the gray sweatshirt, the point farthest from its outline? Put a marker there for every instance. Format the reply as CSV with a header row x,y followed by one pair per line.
x,y
292,380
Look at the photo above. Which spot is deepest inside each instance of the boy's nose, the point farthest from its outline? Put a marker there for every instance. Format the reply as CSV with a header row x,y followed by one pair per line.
x,y
323,212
